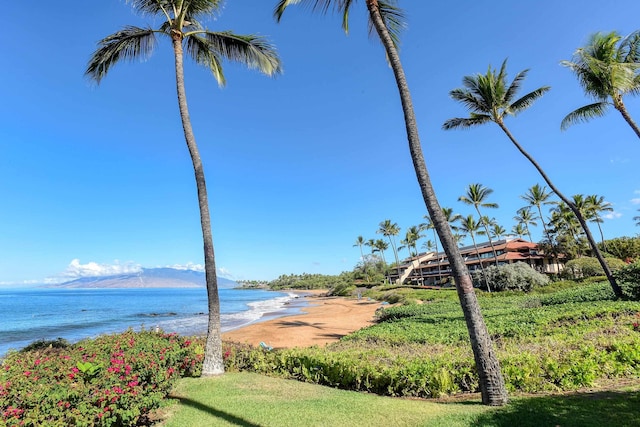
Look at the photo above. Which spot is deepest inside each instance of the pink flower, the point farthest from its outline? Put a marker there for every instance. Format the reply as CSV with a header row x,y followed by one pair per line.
x,y
27,373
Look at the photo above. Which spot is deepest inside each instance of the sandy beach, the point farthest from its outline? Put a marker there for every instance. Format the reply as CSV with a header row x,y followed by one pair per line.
x,y
325,320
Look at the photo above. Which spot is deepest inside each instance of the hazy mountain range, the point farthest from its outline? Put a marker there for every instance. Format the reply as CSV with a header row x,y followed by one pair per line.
x,y
148,278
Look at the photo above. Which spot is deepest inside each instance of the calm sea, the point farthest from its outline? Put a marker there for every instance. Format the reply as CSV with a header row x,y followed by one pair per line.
x,y
31,314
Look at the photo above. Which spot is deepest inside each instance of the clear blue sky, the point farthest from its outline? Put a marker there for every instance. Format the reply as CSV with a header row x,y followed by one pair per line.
x,y
99,179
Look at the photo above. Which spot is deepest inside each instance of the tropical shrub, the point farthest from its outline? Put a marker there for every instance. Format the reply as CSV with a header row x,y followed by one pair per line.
x,y
581,268
114,380
624,248
513,277
628,279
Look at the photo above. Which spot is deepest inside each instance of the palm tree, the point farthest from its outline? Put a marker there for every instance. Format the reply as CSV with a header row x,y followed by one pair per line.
x,y
567,228
607,69
520,230
411,238
360,242
388,20
538,196
381,246
372,244
526,217
497,231
490,99
476,195
468,225
595,206
181,24
390,230
637,219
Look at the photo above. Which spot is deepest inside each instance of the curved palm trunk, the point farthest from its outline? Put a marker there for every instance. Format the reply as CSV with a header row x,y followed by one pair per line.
x,y
491,381
213,362
619,105
607,271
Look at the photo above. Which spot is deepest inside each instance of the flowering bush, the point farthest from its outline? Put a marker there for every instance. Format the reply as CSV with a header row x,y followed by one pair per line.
x,y
114,380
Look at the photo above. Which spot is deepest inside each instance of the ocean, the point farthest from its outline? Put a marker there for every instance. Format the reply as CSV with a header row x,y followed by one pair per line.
x,y
31,314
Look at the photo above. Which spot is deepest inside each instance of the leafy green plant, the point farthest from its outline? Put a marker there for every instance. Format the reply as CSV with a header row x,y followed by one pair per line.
x,y
518,276
629,280
584,267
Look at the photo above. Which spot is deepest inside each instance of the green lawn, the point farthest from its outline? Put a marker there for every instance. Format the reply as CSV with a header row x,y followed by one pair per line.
x,y
246,399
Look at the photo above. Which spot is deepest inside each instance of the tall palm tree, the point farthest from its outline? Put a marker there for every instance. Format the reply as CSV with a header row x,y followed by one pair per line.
x,y
476,195
412,236
388,20
180,23
566,227
372,244
497,231
360,242
607,69
490,99
538,196
526,217
470,226
596,205
637,219
520,230
381,246
390,230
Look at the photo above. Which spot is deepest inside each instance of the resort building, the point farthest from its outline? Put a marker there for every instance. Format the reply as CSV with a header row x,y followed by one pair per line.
x,y
432,268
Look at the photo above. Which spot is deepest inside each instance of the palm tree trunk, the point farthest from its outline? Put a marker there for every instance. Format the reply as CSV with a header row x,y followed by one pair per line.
x,y
486,229
607,271
492,384
619,105
486,281
213,362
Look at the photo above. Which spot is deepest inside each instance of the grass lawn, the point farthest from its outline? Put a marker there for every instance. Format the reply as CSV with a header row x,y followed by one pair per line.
x,y
246,399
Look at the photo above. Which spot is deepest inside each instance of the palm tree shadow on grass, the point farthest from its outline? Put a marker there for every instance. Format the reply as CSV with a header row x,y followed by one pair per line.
x,y
213,412
607,408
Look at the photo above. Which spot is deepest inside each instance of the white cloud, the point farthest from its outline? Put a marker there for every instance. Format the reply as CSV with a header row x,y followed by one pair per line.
x,y
93,269
612,215
635,201
187,266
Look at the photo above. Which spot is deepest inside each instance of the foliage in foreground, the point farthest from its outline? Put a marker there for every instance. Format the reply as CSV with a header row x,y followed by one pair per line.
x,y
114,380
421,350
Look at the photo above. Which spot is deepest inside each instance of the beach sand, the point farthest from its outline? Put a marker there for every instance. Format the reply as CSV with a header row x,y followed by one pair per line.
x,y
325,320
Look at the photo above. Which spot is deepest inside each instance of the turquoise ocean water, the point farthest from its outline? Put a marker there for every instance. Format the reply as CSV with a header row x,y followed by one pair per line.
x,y
31,314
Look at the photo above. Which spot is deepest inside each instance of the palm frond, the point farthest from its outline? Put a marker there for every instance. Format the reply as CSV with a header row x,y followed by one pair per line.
x,y
394,19
251,50
315,5
174,7
465,123
515,85
527,100
470,99
199,49
630,48
129,43
584,114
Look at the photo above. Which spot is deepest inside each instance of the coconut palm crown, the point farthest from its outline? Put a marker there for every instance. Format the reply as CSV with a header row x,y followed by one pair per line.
x,y
607,68
490,99
180,23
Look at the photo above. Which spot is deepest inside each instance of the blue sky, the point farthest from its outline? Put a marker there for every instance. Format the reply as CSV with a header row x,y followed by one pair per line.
x,y
98,179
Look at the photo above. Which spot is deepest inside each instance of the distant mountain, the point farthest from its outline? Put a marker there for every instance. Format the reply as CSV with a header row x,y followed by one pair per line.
x,y
148,278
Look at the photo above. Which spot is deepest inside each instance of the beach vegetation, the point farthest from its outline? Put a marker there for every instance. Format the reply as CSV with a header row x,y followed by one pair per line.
x,y
420,349
510,277
489,98
113,380
583,267
387,21
181,23
625,248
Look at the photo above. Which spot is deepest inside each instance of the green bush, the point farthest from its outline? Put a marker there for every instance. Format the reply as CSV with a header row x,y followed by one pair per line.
x,y
510,277
584,267
114,380
628,278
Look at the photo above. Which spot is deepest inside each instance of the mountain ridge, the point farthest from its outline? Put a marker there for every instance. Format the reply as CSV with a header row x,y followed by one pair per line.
x,y
163,277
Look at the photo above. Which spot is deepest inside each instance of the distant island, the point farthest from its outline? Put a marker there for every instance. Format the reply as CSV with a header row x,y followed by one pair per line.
x,y
147,278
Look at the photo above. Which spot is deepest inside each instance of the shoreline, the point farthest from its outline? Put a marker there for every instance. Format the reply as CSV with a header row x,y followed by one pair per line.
x,y
323,320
